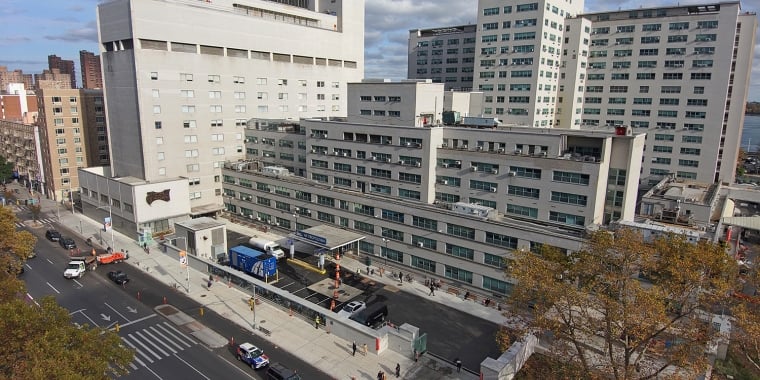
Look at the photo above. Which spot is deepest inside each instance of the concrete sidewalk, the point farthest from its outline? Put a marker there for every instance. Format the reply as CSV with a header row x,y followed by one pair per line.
x,y
293,334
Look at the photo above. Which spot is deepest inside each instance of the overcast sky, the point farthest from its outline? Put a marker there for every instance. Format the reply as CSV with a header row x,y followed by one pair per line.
x,y
32,29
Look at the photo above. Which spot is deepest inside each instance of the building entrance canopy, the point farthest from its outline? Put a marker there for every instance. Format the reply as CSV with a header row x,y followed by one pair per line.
x,y
746,222
327,237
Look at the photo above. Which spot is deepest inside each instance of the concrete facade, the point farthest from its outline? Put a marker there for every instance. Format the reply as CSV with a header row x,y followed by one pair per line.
x,y
681,74
179,98
404,187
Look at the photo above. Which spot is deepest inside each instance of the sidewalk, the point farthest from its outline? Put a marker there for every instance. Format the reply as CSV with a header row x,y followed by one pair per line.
x,y
330,354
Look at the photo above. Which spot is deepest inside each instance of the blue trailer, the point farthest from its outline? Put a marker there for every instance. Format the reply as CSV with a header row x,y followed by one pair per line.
x,y
253,261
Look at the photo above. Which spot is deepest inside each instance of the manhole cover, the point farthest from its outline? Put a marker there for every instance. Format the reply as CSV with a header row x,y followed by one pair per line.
x,y
341,291
264,321
203,295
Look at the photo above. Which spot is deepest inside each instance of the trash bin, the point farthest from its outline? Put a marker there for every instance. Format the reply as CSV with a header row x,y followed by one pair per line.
x,y
368,261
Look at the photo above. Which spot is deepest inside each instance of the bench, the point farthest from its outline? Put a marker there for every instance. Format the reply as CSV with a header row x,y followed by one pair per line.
x,y
453,291
265,331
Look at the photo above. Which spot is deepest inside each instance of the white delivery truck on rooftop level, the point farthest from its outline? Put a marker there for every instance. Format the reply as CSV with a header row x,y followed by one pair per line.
x,y
267,246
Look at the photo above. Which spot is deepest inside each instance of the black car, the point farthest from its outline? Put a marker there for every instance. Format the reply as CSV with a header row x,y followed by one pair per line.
x,y
67,243
53,235
118,277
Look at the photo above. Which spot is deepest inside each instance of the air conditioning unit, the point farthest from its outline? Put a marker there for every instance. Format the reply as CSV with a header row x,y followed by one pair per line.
x,y
444,145
311,135
543,154
464,146
480,148
494,171
388,160
418,164
501,150
493,190
445,164
374,158
420,244
258,218
335,153
445,182
458,163
345,154
408,144
512,174
418,145
473,168
308,212
314,151
518,151
400,162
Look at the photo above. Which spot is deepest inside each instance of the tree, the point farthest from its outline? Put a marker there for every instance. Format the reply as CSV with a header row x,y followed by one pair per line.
x,y
39,341
6,169
35,209
746,314
603,316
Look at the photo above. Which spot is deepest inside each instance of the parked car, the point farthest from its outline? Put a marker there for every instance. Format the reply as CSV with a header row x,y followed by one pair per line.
x,y
118,277
67,243
352,307
53,235
252,355
277,371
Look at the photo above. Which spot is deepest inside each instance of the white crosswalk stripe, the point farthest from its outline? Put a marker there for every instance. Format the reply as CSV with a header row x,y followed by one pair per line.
x,y
41,220
156,342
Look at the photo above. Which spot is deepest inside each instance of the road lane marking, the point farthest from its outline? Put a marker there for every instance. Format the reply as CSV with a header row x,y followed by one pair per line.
x,y
54,289
159,333
114,310
179,332
157,340
137,351
48,260
79,283
152,343
138,341
188,364
33,300
175,337
235,366
134,367
138,320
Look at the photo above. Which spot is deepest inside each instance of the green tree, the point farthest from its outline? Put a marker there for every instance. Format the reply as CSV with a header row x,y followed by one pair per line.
x,y
35,209
39,341
6,169
605,318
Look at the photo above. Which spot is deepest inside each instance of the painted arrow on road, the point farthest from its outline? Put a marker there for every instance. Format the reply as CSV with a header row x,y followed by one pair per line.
x,y
132,309
105,317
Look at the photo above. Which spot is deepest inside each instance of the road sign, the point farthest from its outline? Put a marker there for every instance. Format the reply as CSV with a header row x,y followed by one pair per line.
x,y
183,258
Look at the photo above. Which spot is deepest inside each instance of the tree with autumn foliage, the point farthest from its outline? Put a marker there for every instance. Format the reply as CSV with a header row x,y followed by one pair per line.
x,y
746,313
39,340
625,308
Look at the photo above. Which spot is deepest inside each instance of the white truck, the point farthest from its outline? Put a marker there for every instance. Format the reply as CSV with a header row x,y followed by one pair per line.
x,y
78,265
267,246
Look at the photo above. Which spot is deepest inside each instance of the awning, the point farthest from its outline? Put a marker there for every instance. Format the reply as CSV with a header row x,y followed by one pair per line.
x,y
327,237
747,222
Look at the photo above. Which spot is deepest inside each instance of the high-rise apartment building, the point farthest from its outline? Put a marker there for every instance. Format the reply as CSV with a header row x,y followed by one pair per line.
x,y
178,98
445,55
65,129
679,73
92,76
15,76
65,66
545,65
52,78
518,58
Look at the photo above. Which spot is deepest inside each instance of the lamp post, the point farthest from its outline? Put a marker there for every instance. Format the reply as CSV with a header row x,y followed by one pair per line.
x,y
386,251
187,266
110,220
295,226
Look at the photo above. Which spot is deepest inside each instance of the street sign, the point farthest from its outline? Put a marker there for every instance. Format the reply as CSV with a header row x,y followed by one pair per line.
x,y
183,259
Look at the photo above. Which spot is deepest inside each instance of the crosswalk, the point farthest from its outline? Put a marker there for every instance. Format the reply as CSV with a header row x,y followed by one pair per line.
x,y
41,220
156,342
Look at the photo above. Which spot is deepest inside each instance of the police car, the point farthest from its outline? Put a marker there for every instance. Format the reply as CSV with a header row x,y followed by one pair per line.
x,y
252,355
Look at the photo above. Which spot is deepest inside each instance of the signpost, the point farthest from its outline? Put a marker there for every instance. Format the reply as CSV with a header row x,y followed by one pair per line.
x,y
183,264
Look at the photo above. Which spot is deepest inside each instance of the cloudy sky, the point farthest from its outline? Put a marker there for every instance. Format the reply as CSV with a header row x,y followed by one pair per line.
x,y
32,29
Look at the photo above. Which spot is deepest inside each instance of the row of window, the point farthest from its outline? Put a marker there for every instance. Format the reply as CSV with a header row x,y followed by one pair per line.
x,y
697,63
679,25
642,89
450,42
645,113
654,39
679,174
700,50
261,81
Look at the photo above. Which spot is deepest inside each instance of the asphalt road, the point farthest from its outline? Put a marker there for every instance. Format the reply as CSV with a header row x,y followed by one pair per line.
x,y
163,352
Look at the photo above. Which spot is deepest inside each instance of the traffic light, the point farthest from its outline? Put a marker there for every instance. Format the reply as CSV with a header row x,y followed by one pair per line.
x,y
251,303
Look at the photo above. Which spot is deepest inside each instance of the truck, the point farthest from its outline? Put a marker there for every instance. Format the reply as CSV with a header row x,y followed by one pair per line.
x,y
253,261
78,266
112,257
267,246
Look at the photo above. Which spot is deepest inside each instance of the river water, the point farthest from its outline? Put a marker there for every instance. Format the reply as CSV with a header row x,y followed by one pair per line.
x,y
751,133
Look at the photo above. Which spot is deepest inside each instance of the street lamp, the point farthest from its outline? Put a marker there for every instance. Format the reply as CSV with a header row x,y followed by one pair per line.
x,y
110,220
295,226
386,251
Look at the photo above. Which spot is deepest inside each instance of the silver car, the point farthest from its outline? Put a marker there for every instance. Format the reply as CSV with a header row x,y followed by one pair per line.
x,y
352,308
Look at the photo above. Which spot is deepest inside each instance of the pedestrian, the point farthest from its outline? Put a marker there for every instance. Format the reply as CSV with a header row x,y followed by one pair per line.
x,y
208,285
416,355
466,295
316,322
400,277
458,363
372,271
353,348
432,290
367,269
380,375
398,370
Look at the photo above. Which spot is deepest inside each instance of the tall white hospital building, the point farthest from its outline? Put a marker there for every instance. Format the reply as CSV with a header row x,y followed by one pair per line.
x,y
182,77
679,73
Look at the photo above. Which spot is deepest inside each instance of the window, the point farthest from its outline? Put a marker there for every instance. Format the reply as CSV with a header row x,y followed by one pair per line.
x,y
570,219
214,79
529,212
573,199
570,177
